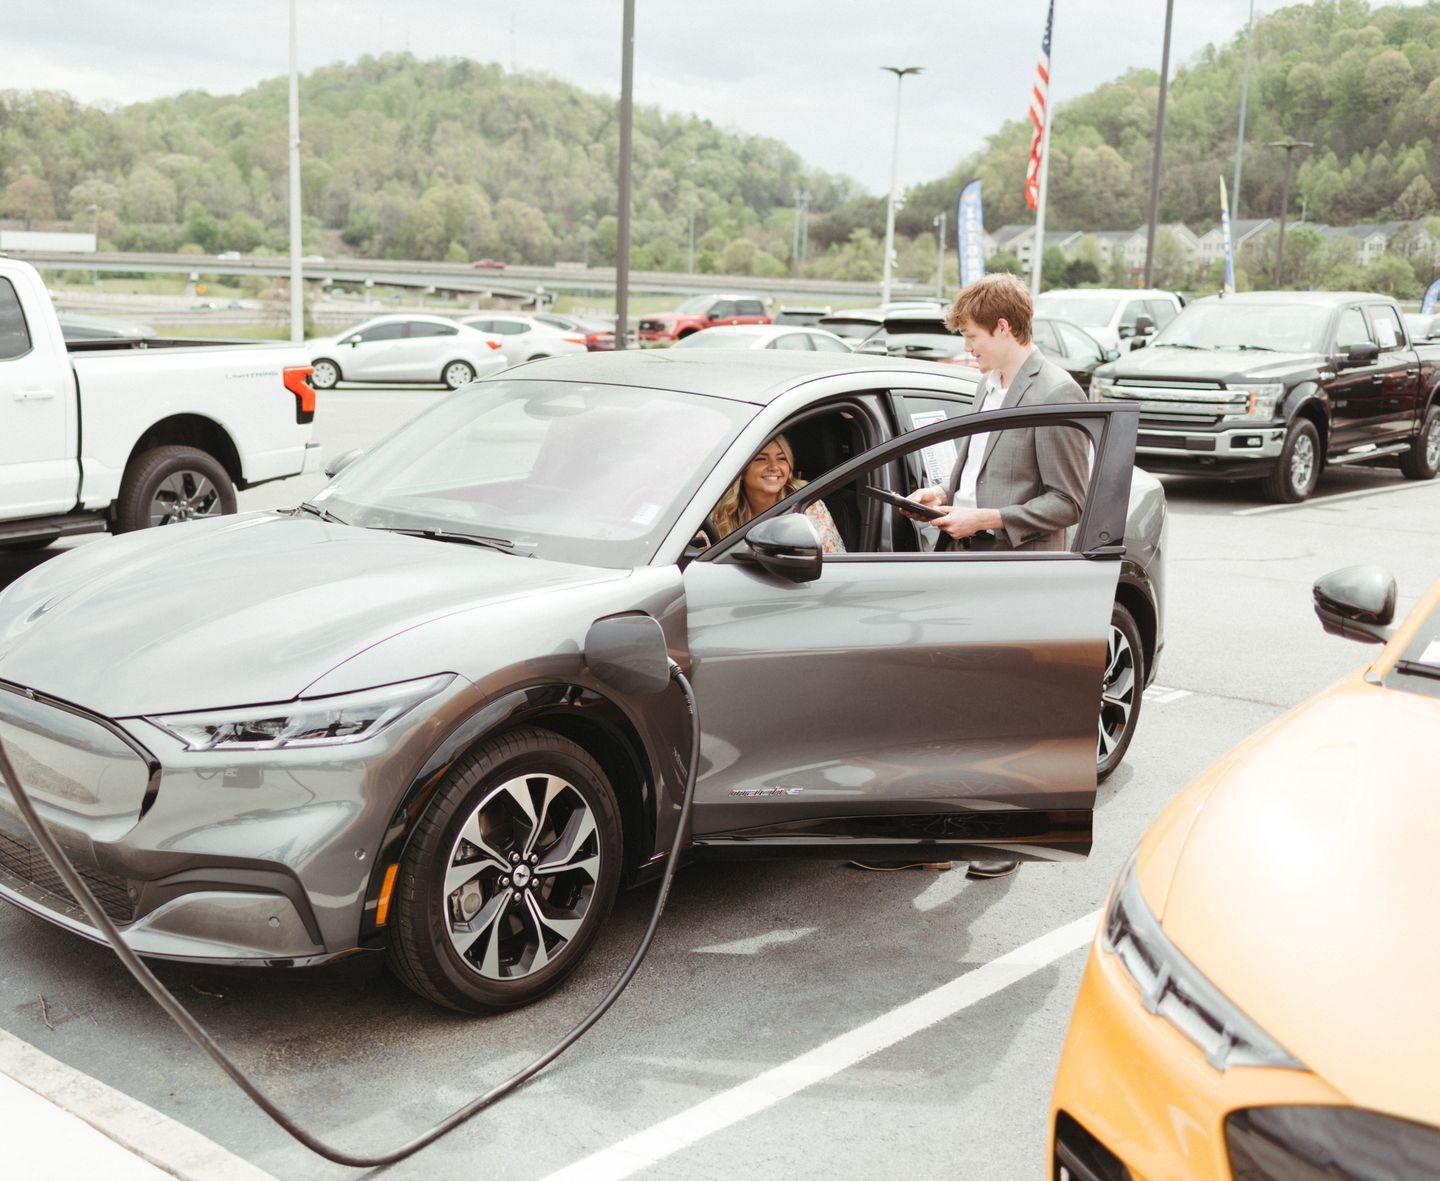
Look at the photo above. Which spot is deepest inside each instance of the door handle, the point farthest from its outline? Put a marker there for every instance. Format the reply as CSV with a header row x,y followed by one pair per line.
x,y
33,395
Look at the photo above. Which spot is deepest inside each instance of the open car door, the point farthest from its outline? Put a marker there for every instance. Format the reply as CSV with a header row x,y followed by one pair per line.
x,y
934,705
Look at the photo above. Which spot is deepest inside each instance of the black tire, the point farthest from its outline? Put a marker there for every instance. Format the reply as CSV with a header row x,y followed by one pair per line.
x,y
29,544
426,918
1422,461
457,373
1293,480
168,485
538,357
1122,689
325,373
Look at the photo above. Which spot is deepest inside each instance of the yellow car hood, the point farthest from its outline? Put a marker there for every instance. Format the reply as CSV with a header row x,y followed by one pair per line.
x,y
1307,890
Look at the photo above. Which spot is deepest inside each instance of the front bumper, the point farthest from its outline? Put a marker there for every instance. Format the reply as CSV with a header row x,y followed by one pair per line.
x,y
1134,1100
1238,452
247,858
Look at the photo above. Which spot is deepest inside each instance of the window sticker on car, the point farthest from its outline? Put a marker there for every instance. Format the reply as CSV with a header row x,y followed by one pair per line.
x,y
939,458
646,514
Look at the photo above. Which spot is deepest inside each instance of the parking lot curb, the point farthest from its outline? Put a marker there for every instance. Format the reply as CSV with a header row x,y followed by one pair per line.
x,y
133,1126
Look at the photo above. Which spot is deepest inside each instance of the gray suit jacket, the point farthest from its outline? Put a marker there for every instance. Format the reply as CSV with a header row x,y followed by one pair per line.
x,y
1036,476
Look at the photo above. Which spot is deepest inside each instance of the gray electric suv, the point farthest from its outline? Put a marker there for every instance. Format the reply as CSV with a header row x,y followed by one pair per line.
x,y
368,724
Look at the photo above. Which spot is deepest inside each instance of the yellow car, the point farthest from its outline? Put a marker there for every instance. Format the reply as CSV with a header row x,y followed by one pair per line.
x,y
1262,1000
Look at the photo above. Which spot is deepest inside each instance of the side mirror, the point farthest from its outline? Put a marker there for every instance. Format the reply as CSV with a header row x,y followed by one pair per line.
x,y
628,653
712,315
342,461
1355,355
1357,603
787,546
1144,326
873,347
1110,355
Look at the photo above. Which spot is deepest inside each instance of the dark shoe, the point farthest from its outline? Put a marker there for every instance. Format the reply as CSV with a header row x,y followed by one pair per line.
x,y
891,866
991,869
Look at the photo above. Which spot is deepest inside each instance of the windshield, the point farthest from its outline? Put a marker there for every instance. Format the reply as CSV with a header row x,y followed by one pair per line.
x,y
850,329
717,339
593,474
1418,668
696,303
1088,313
1231,324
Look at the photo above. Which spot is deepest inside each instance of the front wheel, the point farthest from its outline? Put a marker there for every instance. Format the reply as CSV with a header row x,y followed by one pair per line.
x,y
324,374
1122,689
169,485
1298,469
458,373
1422,461
509,875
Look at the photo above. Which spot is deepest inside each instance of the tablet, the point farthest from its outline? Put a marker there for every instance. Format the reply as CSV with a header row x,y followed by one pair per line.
x,y
903,502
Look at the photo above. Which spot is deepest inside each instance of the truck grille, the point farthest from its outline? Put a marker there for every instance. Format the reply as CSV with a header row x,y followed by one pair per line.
x,y
1175,406
21,859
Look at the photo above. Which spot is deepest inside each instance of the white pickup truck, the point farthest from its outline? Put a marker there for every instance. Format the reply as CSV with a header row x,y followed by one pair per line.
x,y
121,435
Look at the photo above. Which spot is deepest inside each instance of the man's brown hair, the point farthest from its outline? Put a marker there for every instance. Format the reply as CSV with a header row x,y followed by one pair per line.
x,y
989,300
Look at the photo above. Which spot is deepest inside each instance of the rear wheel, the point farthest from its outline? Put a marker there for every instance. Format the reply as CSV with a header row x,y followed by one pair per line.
x,y
1422,461
1121,690
324,374
458,373
1298,469
170,485
509,875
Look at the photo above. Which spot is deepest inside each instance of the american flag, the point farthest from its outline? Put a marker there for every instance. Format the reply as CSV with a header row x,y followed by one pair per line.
x,y
1039,112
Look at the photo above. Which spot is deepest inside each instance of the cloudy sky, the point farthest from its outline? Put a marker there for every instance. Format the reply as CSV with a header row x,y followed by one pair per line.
x,y
804,71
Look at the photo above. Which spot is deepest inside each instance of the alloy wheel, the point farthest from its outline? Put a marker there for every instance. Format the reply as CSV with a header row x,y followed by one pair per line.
x,y
1432,444
324,375
1302,463
521,876
1117,693
458,373
184,496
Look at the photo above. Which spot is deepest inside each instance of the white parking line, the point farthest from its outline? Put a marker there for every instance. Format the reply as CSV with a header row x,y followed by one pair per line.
x,y
1161,695
756,943
712,1115
1317,500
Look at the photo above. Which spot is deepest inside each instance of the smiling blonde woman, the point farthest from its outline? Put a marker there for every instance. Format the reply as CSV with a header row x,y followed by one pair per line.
x,y
767,480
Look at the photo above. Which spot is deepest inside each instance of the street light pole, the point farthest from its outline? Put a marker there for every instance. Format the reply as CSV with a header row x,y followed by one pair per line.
x,y
622,238
1289,146
940,263
899,72
297,279
1159,150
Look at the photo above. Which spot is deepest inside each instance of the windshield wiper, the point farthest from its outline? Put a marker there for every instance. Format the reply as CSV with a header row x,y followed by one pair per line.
x,y
323,513
503,544
1165,344
1249,348
1418,669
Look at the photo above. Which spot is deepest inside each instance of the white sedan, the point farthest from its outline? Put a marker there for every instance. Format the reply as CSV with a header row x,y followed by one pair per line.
x,y
406,347
526,338
764,336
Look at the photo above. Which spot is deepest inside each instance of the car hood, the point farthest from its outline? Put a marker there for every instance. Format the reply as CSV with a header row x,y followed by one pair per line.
x,y
1228,365
1305,891
244,610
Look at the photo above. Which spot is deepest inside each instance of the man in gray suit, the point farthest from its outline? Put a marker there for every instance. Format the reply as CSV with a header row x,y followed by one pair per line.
x,y
1017,489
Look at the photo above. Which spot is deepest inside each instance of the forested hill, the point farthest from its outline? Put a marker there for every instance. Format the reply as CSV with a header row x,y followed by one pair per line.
x,y
1361,83
407,158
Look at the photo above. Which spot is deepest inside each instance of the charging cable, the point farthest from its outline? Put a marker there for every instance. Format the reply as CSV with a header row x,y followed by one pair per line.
x,y
198,1034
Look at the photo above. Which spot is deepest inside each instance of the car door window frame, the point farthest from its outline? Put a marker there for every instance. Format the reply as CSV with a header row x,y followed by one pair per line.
x,y
1100,532
23,325
1375,313
1364,323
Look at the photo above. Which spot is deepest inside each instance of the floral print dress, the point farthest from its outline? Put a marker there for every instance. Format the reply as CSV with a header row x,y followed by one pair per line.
x,y
825,526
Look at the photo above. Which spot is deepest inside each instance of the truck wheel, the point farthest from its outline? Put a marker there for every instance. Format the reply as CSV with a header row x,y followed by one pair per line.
x,y
509,875
1298,469
1122,688
168,485
324,374
1422,461
458,373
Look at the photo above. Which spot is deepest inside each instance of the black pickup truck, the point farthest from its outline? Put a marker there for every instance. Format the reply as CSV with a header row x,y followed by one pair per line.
x,y
1276,385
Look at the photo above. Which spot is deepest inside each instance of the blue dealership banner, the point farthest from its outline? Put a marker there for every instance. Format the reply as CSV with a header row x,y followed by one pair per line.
x,y
1432,297
1229,288
970,241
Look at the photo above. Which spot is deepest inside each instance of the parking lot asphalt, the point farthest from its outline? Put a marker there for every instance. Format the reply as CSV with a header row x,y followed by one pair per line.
x,y
729,1054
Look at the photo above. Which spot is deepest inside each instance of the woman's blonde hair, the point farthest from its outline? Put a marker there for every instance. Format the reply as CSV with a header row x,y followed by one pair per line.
x,y
734,507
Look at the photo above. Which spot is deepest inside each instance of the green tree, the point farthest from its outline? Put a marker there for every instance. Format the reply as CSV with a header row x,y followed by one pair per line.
x,y
28,197
201,228
147,196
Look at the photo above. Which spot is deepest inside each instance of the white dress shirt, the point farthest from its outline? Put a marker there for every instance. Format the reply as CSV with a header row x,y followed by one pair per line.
x,y
975,455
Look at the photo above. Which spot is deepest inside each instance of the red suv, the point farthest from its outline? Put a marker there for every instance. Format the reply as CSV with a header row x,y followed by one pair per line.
x,y
702,311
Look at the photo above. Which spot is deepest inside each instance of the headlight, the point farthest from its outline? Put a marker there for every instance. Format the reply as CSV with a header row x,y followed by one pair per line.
x,y
1260,403
317,721
1173,988
1323,1143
